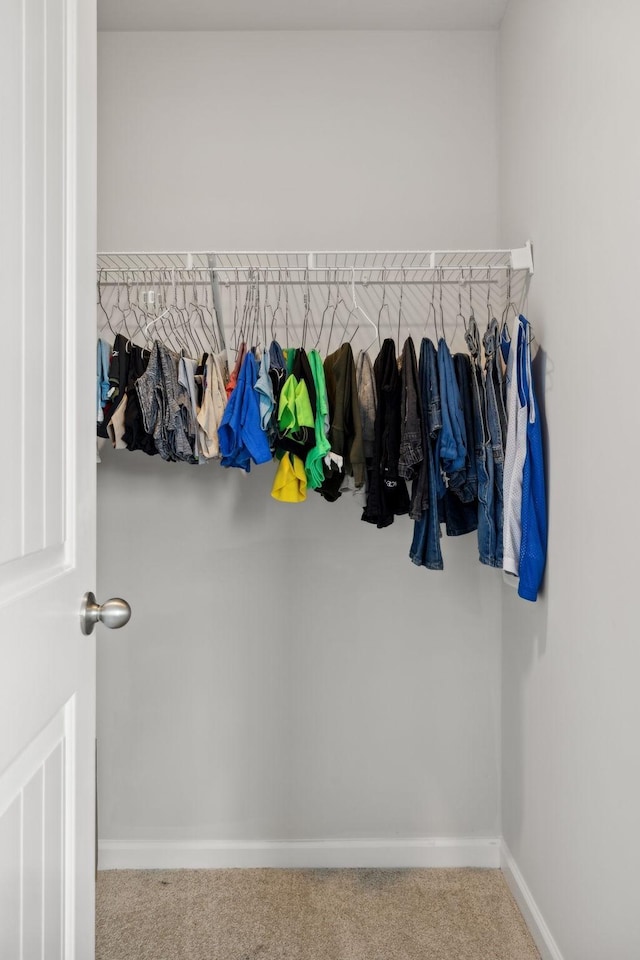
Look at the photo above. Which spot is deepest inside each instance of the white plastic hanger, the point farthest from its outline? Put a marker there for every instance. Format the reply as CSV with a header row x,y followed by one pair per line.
x,y
356,306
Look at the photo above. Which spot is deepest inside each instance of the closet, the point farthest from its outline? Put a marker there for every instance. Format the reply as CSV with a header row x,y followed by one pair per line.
x,y
288,675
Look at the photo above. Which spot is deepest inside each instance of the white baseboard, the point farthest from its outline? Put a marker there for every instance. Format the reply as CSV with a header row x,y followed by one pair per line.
x,y
540,932
175,855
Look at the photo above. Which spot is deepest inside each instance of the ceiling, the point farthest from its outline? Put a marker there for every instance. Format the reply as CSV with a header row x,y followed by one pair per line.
x,y
300,14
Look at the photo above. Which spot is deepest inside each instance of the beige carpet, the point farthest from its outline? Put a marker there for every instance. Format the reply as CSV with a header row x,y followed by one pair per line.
x,y
309,915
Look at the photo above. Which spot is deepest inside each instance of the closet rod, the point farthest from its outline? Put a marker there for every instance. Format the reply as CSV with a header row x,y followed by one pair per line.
x,y
261,268
300,283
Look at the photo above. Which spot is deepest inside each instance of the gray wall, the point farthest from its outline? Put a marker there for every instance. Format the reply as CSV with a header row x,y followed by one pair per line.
x,y
288,673
570,88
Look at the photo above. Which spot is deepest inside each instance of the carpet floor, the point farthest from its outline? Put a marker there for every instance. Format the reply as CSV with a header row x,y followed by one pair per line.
x,y
309,915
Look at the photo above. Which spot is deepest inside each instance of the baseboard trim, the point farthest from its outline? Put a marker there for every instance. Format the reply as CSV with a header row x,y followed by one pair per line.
x,y
540,932
175,855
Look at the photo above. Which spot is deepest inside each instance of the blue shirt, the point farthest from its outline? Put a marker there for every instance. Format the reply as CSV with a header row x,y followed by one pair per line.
x,y
240,433
533,544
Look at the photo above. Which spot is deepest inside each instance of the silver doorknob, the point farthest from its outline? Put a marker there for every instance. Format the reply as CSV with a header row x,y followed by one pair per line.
x,y
113,613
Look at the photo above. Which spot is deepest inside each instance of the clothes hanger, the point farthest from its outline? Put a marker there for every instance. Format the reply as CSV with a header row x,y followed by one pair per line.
x,y
437,278
490,317
286,308
403,275
339,300
183,325
178,315
158,319
254,317
384,305
324,314
432,310
472,316
308,319
243,331
207,327
504,320
460,315
102,307
151,323
440,309
264,309
123,314
188,336
235,315
128,311
217,320
134,307
277,309
205,335
356,306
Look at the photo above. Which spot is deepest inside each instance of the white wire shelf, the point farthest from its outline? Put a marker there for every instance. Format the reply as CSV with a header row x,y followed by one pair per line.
x,y
401,289
390,266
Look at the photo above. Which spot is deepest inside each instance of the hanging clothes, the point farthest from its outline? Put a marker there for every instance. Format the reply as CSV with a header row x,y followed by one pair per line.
x,y
345,429
425,548
515,449
135,436
368,401
459,506
113,420
314,466
295,439
104,353
483,451
161,402
464,432
461,498
117,376
116,426
119,367
240,436
233,379
533,545
387,496
297,409
189,408
495,421
264,389
525,514
277,371
212,407
452,443
295,412
290,481
411,433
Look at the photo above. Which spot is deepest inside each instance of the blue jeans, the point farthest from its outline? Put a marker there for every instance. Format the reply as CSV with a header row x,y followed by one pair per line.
x,y
425,548
483,453
484,466
452,446
496,425
461,498
464,483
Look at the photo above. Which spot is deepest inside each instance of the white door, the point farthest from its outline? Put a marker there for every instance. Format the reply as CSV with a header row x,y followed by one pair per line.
x,y
47,477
